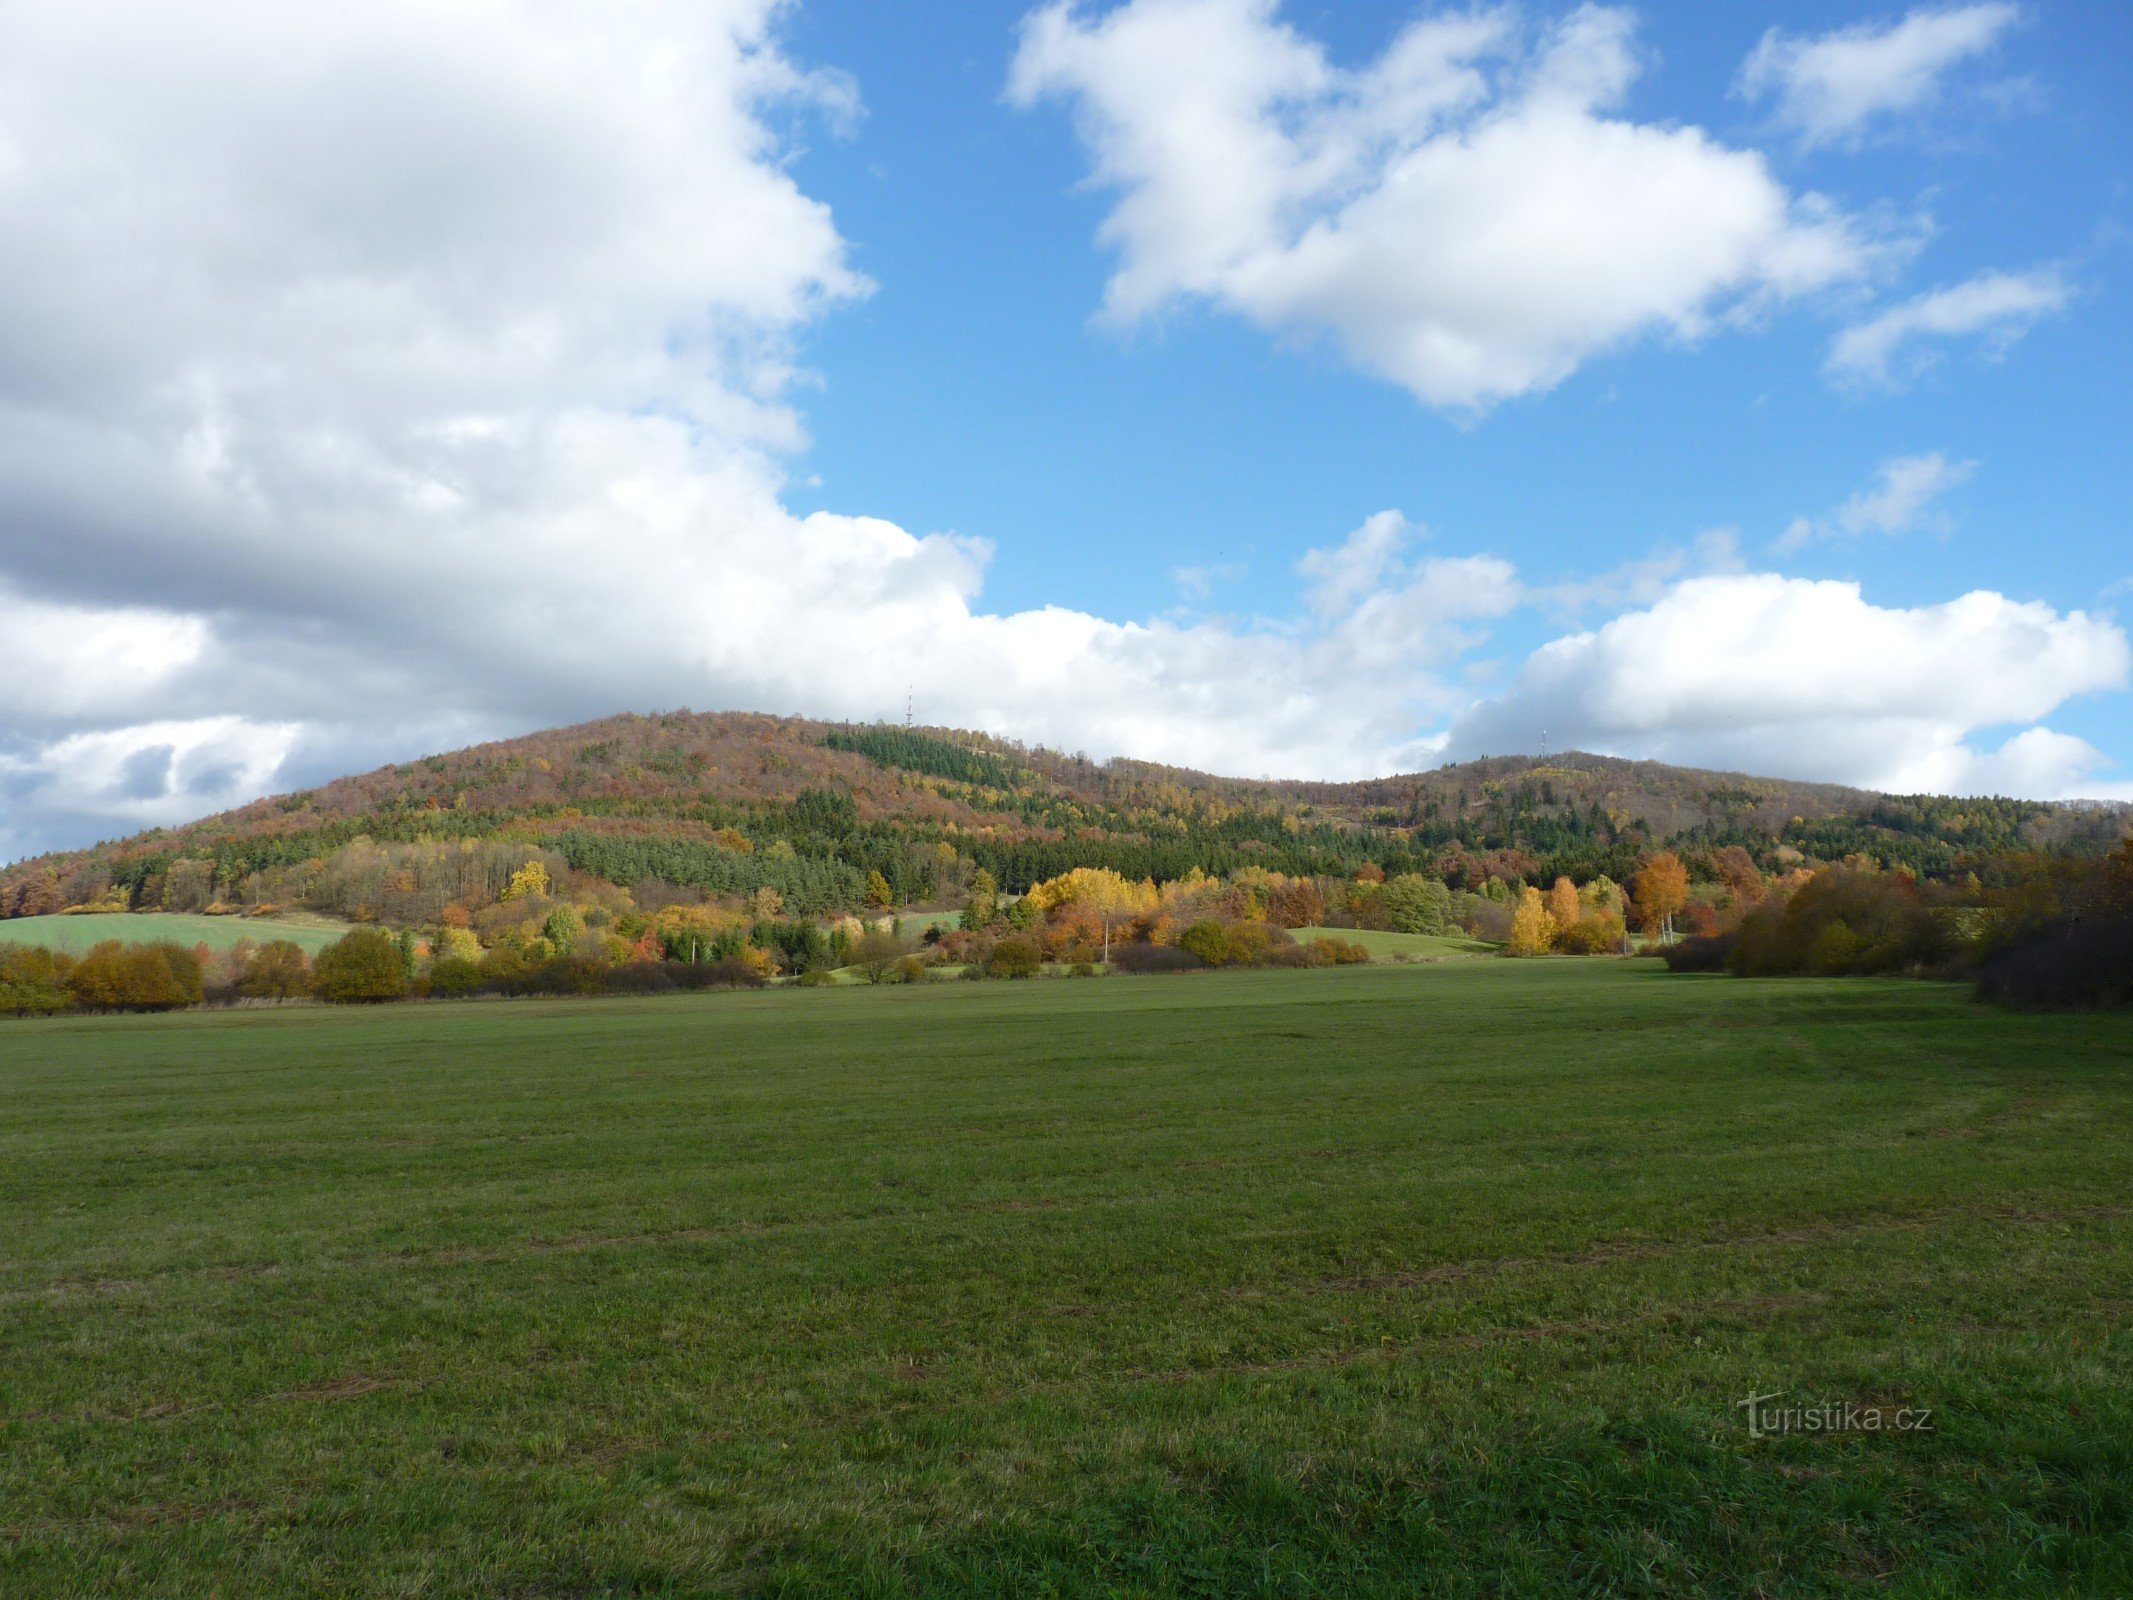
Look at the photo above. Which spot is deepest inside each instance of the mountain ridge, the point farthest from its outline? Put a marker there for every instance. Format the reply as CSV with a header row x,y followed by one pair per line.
x,y
738,782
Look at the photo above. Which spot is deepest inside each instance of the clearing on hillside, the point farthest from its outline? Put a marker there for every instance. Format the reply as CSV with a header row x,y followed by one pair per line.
x,y
82,930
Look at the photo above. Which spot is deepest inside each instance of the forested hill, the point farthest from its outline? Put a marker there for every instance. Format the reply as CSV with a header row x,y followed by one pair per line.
x,y
730,804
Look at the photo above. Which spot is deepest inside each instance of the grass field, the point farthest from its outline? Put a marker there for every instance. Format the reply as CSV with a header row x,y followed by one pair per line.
x,y
1390,946
78,933
1385,1281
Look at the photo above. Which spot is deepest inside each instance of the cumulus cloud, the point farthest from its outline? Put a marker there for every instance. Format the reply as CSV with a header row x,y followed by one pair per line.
x,y
1835,87
1998,307
1470,215
1900,500
1759,672
401,372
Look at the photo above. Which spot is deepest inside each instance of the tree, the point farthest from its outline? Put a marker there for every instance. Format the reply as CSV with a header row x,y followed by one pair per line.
x,y
982,905
1297,904
1737,871
529,880
1660,888
879,895
1532,928
1563,905
136,977
562,928
277,970
363,968
874,955
1415,903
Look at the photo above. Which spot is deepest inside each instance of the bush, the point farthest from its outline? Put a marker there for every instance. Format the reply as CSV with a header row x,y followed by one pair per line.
x,y
1208,941
277,970
1840,922
454,978
1342,952
1141,956
362,969
2067,963
1703,954
1596,933
1014,958
32,983
136,977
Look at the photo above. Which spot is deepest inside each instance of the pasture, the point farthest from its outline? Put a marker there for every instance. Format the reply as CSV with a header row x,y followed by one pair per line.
x,y
1385,945
1392,1281
78,933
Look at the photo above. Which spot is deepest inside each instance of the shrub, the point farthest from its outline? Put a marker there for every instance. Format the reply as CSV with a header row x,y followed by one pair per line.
x,y
1702,954
2069,962
32,983
1141,957
1342,952
136,977
910,969
277,970
362,969
454,978
1014,958
1596,933
1208,941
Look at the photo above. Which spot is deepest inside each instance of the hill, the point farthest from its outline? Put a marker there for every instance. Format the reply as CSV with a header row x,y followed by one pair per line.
x,y
704,805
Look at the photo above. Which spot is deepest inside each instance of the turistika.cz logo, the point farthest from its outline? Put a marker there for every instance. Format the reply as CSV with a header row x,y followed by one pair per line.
x,y
1830,1416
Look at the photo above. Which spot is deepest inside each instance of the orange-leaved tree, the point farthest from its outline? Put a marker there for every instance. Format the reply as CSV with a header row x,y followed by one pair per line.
x,y
1660,888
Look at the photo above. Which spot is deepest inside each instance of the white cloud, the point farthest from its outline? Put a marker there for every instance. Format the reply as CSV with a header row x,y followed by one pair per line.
x,y
1901,500
1998,306
400,372
1832,88
1466,215
1800,679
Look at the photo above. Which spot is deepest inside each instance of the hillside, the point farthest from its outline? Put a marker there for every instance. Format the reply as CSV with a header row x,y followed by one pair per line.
x,y
726,805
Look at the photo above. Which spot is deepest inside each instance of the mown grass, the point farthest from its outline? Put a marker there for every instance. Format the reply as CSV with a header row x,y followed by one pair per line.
x,y
1389,1281
1385,945
78,933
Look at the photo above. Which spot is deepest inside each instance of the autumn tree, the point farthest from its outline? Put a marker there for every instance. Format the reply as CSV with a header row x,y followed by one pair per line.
x,y
1563,905
277,970
1737,871
1532,928
136,977
1660,889
879,895
1296,904
362,968
529,880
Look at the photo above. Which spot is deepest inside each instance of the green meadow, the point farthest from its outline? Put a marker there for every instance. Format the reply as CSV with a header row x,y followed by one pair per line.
x,y
83,930
1426,1280
1385,945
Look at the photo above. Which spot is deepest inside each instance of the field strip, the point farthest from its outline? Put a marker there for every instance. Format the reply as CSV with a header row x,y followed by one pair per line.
x,y
1449,1272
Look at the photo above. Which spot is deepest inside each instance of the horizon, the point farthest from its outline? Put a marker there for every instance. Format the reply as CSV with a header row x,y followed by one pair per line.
x,y
1740,393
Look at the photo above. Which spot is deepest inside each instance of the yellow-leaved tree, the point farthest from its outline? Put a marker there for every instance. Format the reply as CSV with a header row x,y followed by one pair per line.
x,y
1563,905
531,879
1532,928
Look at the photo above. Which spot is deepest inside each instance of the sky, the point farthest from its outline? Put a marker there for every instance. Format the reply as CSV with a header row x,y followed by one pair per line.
x,y
1312,389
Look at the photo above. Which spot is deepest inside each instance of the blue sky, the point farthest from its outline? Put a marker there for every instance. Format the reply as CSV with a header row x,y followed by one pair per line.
x,y
385,382
972,392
